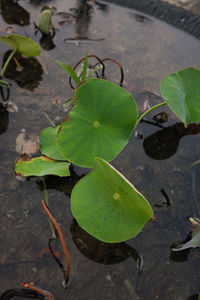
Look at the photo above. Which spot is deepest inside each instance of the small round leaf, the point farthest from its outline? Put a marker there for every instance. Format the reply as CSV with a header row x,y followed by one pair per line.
x,y
24,45
99,125
108,206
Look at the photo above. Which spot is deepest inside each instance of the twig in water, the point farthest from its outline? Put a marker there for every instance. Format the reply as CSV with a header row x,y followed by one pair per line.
x,y
39,290
66,279
49,119
168,202
43,65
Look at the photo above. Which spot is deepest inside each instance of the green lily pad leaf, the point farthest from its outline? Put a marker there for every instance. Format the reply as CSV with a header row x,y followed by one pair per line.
x,y
48,144
24,45
108,206
181,90
41,166
100,124
195,240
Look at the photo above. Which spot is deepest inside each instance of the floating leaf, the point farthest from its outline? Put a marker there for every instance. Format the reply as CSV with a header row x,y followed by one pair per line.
x,y
108,206
41,166
48,144
70,71
100,123
181,90
24,45
193,243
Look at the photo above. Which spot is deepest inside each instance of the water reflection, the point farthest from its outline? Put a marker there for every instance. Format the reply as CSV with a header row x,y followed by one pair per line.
x,y
100,252
13,13
83,18
164,143
29,76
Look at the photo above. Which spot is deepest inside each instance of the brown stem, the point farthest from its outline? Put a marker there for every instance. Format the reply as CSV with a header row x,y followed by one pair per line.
x,y
17,64
62,242
39,290
119,65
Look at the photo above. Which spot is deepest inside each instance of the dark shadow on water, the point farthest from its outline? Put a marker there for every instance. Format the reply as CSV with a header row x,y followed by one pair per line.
x,y
164,143
46,41
39,2
31,74
100,252
13,13
194,297
4,119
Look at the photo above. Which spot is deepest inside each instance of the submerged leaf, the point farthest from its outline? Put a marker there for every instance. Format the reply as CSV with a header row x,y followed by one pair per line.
x,y
41,166
108,206
27,143
48,144
24,45
100,125
181,90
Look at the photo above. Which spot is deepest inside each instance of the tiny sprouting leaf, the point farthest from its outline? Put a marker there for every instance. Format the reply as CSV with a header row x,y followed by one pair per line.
x,y
48,145
194,241
84,73
181,90
40,166
108,206
24,45
100,125
70,71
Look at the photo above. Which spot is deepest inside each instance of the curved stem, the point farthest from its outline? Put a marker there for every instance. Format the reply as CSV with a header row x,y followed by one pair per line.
x,y
149,110
67,259
47,203
7,62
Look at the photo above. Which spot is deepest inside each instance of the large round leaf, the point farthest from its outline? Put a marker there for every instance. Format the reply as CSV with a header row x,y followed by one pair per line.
x,y
181,90
24,45
48,144
107,206
100,124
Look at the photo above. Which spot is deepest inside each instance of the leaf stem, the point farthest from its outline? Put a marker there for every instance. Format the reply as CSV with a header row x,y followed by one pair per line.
x,y
67,259
149,110
7,62
47,203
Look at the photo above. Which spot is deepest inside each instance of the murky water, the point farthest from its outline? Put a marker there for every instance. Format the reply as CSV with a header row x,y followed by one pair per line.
x,y
148,50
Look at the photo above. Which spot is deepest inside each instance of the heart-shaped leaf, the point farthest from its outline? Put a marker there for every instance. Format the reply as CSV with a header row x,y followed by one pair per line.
x,y
41,166
181,90
24,45
100,123
48,144
108,206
